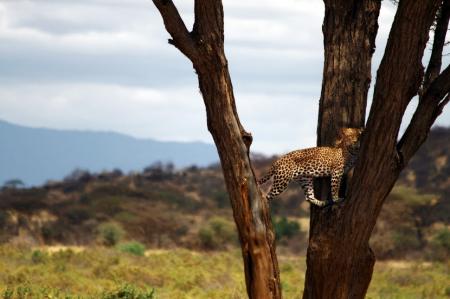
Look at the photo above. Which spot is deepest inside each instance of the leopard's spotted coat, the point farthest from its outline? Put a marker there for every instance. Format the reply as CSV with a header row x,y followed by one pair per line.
x,y
305,164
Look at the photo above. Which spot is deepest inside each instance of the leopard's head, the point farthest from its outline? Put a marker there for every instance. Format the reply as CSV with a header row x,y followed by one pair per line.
x,y
349,138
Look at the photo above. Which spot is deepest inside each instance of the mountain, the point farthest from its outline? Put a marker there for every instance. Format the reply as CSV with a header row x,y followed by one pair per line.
x,y
35,155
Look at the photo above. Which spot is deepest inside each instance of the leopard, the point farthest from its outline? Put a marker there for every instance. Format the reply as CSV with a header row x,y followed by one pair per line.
x,y
304,165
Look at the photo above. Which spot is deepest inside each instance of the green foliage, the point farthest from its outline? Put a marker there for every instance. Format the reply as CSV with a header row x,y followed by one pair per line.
x,y
110,233
129,292
221,198
3,218
411,196
134,247
447,291
38,256
78,215
405,239
440,245
218,233
285,228
13,184
442,238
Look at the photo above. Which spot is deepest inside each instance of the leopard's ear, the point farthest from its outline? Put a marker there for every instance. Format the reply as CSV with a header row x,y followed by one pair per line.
x,y
340,138
344,132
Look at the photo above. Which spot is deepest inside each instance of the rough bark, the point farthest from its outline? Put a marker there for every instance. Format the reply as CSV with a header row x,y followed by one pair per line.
x,y
204,47
339,259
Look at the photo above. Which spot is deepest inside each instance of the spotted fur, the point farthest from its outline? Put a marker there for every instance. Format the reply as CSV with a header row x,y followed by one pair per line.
x,y
305,164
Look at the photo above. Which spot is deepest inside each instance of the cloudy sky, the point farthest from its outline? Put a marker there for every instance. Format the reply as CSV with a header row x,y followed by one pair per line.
x,y
106,65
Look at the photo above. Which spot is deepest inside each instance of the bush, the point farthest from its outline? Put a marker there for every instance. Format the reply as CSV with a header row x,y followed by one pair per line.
x,y
442,238
217,234
129,292
110,233
286,228
405,239
440,245
77,215
38,257
3,218
221,198
134,247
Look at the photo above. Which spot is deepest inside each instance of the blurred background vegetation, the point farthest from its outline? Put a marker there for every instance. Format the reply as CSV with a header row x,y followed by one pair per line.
x,y
166,232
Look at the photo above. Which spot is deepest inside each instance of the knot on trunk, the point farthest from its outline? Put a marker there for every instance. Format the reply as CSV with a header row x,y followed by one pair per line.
x,y
247,138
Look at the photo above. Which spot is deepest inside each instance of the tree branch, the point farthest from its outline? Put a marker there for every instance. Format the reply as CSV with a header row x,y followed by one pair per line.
x,y
398,80
429,108
174,24
440,32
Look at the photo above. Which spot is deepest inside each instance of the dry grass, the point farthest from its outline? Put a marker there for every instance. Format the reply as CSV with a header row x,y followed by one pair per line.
x,y
61,272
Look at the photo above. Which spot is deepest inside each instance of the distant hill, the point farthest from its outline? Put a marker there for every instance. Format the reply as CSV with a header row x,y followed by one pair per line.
x,y
35,155
164,207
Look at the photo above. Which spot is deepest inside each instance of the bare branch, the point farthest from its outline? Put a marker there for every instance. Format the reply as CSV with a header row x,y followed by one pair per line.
x,y
429,108
442,104
440,32
174,24
439,87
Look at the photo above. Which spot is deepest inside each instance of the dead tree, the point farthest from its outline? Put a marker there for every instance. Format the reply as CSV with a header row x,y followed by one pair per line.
x,y
204,46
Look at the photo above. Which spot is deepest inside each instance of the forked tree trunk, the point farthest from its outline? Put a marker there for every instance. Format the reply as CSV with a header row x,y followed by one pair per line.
x,y
339,259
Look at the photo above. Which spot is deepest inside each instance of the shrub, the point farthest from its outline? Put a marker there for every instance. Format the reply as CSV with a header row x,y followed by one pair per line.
x,y
134,247
77,215
110,233
207,238
440,245
286,228
3,218
38,257
442,238
447,291
221,198
405,239
129,292
217,233
8,294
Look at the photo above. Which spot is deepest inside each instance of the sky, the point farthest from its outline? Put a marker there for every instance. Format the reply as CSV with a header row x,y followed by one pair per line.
x,y
105,65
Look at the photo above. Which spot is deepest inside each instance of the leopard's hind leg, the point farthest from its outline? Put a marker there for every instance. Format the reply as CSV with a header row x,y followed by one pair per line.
x,y
336,177
307,185
279,184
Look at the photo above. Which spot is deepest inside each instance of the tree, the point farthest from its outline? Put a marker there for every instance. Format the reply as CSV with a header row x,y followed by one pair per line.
x,y
204,46
13,184
339,259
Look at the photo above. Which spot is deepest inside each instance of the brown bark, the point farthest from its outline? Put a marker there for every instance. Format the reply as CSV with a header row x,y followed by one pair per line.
x,y
204,47
340,261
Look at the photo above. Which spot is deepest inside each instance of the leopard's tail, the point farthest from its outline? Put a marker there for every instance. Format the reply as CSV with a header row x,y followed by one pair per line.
x,y
266,177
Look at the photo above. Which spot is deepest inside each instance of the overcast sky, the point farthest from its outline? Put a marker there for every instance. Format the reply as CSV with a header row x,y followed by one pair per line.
x,y
106,65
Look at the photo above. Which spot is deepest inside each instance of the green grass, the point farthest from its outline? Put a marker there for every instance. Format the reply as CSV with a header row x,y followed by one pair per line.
x,y
109,273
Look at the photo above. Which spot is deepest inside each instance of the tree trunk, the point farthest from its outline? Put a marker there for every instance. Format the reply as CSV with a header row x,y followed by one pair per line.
x,y
204,47
339,259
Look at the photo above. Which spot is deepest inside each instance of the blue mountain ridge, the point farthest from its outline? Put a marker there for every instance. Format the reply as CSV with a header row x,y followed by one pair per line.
x,y
35,155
